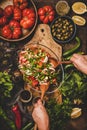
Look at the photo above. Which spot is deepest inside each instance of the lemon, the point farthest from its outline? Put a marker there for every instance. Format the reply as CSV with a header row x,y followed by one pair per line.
x,y
79,20
79,8
76,112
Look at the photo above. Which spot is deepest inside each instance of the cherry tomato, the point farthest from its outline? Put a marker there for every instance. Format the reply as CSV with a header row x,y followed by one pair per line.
x,y
28,19
46,14
34,82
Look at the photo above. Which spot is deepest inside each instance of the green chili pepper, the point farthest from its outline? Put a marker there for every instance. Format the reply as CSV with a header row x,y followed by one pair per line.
x,y
68,66
73,49
29,125
68,57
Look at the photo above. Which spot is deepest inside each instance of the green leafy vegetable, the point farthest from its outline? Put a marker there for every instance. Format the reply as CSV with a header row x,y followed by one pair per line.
x,y
74,87
5,85
8,124
58,113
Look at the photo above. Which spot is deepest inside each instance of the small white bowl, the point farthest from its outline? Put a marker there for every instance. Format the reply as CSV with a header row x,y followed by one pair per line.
x,y
62,7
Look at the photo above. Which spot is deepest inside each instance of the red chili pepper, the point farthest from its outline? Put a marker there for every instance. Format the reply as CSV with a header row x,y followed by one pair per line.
x,y
17,113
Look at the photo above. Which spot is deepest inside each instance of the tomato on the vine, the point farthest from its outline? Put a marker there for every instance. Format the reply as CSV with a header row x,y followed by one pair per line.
x,y
12,30
28,19
46,14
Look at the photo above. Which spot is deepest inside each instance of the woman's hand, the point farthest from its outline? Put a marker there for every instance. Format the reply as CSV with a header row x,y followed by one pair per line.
x,y
80,62
40,116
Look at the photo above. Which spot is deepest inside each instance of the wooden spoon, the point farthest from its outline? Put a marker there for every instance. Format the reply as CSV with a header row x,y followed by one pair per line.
x,y
56,63
43,87
64,62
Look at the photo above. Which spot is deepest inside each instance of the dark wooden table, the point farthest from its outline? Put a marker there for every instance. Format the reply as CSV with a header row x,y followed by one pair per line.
x,y
81,30
81,122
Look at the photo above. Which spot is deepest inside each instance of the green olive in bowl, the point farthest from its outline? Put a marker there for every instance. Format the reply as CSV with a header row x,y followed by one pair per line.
x,y
63,29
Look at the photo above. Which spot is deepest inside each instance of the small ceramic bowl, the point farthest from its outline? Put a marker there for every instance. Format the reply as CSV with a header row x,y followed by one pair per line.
x,y
62,7
63,29
25,96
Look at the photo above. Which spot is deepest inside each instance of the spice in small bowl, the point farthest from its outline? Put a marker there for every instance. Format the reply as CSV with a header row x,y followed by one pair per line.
x,y
62,7
25,96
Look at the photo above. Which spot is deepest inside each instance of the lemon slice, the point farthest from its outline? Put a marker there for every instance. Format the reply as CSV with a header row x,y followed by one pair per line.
x,y
79,20
79,8
76,112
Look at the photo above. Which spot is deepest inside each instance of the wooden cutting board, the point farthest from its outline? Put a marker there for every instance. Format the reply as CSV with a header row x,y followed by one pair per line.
x,y
43,36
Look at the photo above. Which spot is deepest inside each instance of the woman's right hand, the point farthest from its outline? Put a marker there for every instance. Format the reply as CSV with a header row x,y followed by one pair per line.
x,y
40,116
80,62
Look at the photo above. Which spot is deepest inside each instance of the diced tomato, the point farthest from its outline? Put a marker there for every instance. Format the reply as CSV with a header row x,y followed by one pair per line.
x,y
22,60
22,53
40,64
42,59
33,81
54,80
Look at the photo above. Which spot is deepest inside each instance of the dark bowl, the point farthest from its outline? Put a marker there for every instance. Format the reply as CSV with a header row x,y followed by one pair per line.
x,y
28,32
63,29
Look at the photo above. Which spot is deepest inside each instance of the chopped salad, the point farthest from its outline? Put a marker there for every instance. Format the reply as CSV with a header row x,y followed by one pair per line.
x,y
37,67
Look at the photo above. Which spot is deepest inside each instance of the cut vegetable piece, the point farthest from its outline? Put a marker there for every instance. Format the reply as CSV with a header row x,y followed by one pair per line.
x,y
79,8
76,112
79,20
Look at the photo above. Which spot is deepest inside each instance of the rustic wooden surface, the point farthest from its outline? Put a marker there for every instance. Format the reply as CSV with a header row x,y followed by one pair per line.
x,y
43,36
81,30
81,122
